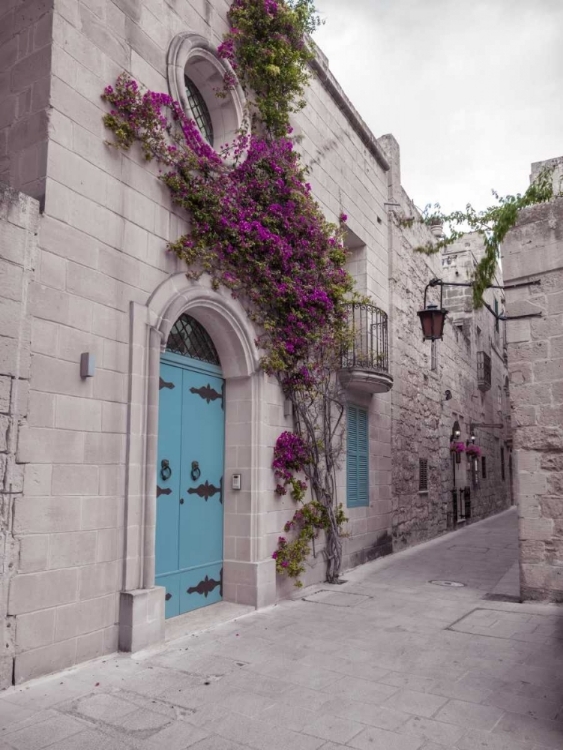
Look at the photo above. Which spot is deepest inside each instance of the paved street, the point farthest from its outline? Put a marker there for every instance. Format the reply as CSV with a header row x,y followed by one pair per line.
x,y
387,661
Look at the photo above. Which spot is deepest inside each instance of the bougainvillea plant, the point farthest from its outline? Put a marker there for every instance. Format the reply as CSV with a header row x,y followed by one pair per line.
x,y
267,47
256,229
456,447
291,455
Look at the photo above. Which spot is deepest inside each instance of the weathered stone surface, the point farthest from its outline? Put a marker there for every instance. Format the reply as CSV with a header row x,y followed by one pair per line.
x,y
534,250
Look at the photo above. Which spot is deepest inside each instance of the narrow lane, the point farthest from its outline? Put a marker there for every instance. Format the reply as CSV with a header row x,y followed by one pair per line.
x,y
386,661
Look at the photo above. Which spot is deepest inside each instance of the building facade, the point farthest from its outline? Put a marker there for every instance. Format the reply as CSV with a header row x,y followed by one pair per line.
x,y
137,426
533,252
444,392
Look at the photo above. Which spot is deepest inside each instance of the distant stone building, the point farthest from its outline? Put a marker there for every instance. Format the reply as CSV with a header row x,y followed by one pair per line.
x,y
533,252
459,383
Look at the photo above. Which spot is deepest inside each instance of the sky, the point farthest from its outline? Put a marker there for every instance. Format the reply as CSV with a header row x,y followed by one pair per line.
x,y
471,89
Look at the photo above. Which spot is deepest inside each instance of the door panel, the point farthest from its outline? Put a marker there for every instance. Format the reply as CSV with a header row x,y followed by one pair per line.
x,y
201,586
173,597
189,534
201,515
169,449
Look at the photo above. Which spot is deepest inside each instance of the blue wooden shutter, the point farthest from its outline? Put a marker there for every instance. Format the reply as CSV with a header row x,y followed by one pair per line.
x,y
357,457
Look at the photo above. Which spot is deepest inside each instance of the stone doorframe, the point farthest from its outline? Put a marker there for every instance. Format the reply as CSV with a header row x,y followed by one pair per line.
x,y
247,578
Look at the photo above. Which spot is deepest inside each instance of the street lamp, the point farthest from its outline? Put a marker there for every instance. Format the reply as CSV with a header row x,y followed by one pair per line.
x,y
432,318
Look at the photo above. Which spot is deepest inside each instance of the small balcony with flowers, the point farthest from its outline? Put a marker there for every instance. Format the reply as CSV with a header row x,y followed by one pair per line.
x,y
365,360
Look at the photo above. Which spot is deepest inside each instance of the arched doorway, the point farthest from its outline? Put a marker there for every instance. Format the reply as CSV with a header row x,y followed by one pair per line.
x,y
190,468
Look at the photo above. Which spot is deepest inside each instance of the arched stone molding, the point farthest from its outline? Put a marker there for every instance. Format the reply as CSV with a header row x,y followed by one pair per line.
x,y
248,579
193,55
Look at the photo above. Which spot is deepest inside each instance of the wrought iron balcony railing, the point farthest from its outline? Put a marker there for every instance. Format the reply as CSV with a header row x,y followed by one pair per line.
x,y
369,348
365,363
483,371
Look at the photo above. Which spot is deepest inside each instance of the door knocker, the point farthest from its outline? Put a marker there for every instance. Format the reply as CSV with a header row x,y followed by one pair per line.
x,y
165,470
196,471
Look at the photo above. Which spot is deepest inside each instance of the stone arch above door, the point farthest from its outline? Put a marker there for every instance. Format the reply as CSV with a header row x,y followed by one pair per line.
x,y
233,336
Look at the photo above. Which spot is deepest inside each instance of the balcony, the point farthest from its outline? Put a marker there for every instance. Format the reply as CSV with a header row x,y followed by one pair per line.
x,y
365,364
483,371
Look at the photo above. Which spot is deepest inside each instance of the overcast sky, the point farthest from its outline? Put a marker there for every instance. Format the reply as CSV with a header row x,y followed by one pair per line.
x,y
471,89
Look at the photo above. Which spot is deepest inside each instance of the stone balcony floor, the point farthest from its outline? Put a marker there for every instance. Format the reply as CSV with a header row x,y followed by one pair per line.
x,y
387,661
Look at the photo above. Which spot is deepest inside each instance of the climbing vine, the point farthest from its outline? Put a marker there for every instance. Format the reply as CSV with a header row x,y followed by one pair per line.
x,y
266,45
256,230
493,224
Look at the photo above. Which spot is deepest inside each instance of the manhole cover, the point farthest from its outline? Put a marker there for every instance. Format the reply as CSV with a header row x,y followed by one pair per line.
x,y
451,584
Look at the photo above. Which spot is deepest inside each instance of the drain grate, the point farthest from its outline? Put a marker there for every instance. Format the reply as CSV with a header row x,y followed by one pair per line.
x,y
451,584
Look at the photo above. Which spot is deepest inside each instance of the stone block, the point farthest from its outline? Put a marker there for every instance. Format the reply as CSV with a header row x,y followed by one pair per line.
x,y
43,445
555,303
99,580
104,448
536,529
549,371
34,591
35,629
5,394
37,479
72,549
81,414
90,646
107,545
555,484
34,553
44,660
41,409
141,619
114,417
102,512
47,303
10,316
551,416
532,552
31,68
4,426
44,336
74,479
52,271
104,38
11,279
85,617
46,515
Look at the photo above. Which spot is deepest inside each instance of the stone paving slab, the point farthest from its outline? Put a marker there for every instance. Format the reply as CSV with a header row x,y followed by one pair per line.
x,y
386,661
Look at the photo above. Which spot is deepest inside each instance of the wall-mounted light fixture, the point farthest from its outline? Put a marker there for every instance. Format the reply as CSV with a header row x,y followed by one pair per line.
x,y
433,318
87,365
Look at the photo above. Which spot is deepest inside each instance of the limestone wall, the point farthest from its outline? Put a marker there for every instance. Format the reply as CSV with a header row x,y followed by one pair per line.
x,y
101,268
422,416
533,250
25,66
18,250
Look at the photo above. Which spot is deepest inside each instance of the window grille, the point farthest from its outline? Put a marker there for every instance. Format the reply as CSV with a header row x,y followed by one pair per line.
x,y
199,110
190,339
357,457
483,371
484,467
423,475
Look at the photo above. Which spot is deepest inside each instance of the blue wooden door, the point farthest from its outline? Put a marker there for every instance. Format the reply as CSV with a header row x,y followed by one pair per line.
x,y
189,526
